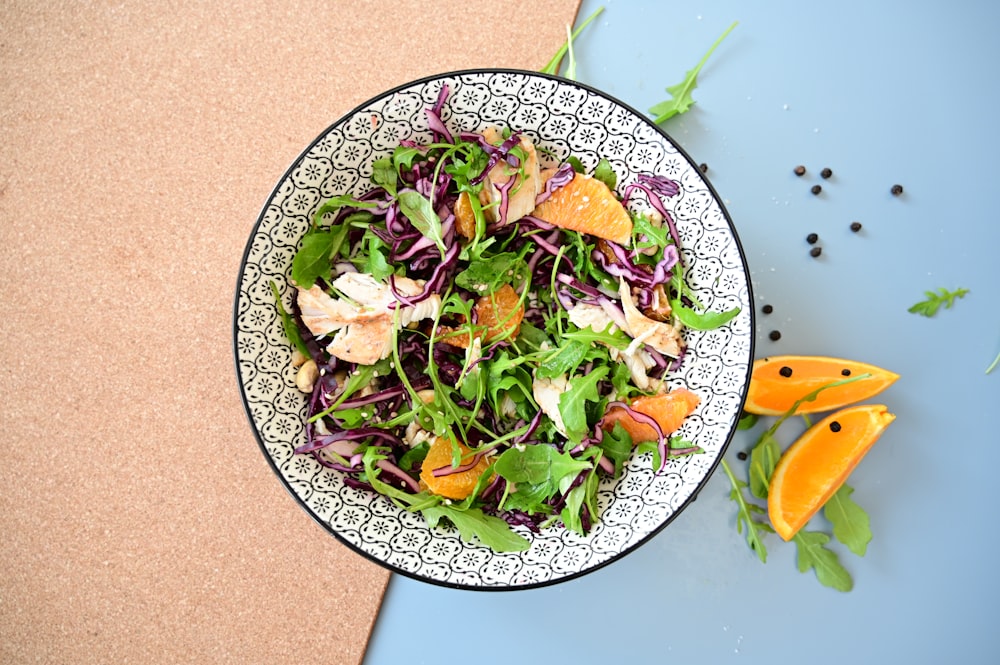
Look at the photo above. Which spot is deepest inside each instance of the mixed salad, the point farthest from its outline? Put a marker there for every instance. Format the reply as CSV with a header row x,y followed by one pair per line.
x,y
482,338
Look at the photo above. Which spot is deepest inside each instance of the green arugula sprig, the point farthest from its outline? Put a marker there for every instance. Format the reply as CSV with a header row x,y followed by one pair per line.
x,y
553,65
935,300
680,95
851,525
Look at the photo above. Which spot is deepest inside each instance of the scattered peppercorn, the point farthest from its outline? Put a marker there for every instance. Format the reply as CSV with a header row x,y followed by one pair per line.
x,y
812,238
834,426
815,252
741,455
816,189
855,226
767,309
704,167
896,190
845,372
825,173
800,170
775,335
785,371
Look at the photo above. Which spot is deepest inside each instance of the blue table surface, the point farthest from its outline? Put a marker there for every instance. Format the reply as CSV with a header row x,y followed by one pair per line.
x,y
881,93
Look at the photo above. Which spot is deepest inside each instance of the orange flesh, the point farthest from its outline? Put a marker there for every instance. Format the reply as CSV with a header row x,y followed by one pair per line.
x,y
773,394
668,410
818,463
454,485
496,314
585,204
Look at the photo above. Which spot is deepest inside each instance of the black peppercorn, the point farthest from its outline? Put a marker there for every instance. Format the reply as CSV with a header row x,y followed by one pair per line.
x,y
834,426
812,238
896,190
741,455
767,309
800,170
785,371
845,372
704,167
826,173
775,335
816,189
815,252
855,226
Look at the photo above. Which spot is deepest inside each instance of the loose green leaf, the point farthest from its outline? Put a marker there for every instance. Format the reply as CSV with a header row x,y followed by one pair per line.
x,y
680,95
745,515
420,212
935,300
850,521
813,553
474,523
763,458
312,260
288,323
747,421
553,65
572,403
707,320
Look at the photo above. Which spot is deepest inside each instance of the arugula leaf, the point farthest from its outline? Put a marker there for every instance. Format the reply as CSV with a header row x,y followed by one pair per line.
x,y
486,275
763,458
745,515
617,446
553,65
707,320
471,523
384,175
681,99
674,443
747,420
935,300
813,553
420,212
563,360
606,174
335,203
375,262
312,260
292,331
537,464
572,403
850,521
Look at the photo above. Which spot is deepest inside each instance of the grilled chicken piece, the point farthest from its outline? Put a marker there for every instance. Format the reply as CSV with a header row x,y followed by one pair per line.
x,y
362,320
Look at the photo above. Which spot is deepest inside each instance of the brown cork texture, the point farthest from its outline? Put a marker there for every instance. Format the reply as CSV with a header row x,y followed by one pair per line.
x,y
139,521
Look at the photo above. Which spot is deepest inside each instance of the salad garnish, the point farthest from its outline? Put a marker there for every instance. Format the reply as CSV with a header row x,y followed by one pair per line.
x,y
480,343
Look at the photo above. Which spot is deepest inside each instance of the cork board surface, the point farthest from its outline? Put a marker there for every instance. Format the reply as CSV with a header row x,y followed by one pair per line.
x,y
139,521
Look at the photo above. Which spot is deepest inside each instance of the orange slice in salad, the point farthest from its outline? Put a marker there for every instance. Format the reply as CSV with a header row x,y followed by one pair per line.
x,y
817,464
497,314
669,411
457,485
585,204
777,382
465,219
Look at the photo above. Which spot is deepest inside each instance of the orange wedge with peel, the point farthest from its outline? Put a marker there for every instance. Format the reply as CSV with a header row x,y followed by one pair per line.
x,y
817,464
457,485
669,411
777,382
587,205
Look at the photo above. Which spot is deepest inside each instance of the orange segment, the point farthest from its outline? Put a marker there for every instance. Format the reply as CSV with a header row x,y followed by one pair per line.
x,y
668,410
778,382
585,204
817,464
465,219
458,485
496,314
